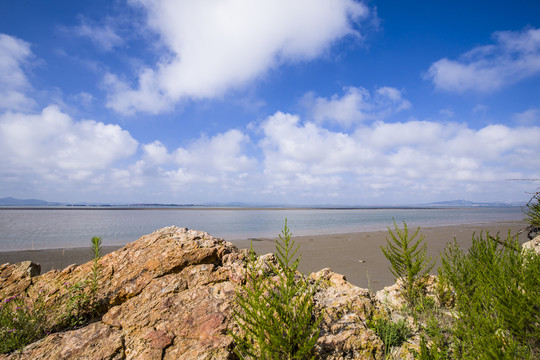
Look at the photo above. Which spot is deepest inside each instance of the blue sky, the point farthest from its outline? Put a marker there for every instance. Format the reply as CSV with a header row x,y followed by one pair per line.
x,y
278,101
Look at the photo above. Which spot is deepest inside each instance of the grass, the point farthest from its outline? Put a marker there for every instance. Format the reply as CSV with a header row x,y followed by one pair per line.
x,y
391,333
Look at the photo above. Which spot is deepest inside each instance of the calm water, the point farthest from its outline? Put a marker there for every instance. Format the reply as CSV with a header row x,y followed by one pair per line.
x,y
23,229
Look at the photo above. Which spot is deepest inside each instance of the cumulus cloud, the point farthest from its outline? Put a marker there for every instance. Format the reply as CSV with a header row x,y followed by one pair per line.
x,y
512,57
210,163
214,46
222,152
13,54
51,145
414,156
356,105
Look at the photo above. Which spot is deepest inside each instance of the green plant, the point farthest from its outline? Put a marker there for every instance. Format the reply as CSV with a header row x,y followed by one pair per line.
x,y
532,215
424,304
75,306
497,298
443,291
431,353
96,269
21,321
408,260
275,315
391,333
81,304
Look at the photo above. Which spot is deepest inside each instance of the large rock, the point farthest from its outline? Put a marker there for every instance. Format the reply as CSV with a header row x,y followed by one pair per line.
x,y
16,278
170,295
533,245
344,334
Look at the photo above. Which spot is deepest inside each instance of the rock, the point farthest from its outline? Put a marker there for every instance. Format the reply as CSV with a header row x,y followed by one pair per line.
x,y
16,279
533,245
391,296
171,294
95,341
344,334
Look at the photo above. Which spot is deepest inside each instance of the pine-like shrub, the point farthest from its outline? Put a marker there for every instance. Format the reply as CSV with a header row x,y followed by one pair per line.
x,y
497,299
532,215
408,260
275,316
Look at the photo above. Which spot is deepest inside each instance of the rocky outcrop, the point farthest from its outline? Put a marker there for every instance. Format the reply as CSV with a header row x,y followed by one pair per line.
x,y
170,295
533,245
17,278
344,333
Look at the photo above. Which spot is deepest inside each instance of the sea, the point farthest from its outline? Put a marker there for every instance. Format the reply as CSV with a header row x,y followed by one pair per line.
x,y
50,227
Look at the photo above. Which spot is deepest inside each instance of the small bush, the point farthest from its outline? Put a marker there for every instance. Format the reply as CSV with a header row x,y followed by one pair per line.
x,y
75,307
408,260
21,322
497,298
95,274
532,215
276,317
391,333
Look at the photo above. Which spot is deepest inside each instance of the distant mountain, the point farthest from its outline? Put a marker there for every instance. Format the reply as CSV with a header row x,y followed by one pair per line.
x,y
467,203
10,201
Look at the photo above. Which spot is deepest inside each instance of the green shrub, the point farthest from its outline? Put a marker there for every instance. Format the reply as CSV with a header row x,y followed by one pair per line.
x,y
497,298
435,352
96,270
408,260
532,215
75,306
80,305
391,333
21,322
276,317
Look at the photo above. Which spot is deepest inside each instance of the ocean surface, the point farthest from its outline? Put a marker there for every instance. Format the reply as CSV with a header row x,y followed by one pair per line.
x,y
39,228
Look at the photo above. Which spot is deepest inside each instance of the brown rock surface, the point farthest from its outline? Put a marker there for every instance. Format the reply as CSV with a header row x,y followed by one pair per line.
x,y
170,295
17,278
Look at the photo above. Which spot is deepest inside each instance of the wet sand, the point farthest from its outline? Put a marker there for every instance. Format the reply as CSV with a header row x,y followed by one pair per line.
x,y
356,255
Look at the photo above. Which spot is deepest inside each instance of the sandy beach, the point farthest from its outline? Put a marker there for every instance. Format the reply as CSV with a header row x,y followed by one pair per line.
x,y
356,255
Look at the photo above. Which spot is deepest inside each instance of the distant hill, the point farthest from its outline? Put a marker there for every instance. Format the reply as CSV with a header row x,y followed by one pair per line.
x,y
10,201
466,203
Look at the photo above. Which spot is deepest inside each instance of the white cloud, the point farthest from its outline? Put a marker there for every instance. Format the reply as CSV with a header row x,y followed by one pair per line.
x,y
446,113
206,164
387,159
355,106
13,54
217,45
527,117
52,145
103,36
221,153
512,57
84,99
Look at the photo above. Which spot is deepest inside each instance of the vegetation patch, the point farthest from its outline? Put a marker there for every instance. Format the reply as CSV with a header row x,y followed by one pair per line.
x,y
275,315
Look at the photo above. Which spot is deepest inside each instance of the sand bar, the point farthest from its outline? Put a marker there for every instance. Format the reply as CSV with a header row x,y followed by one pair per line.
x,y
356,255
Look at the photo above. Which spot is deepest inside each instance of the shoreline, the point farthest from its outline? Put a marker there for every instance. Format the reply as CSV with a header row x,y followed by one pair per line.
x,y
356,255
